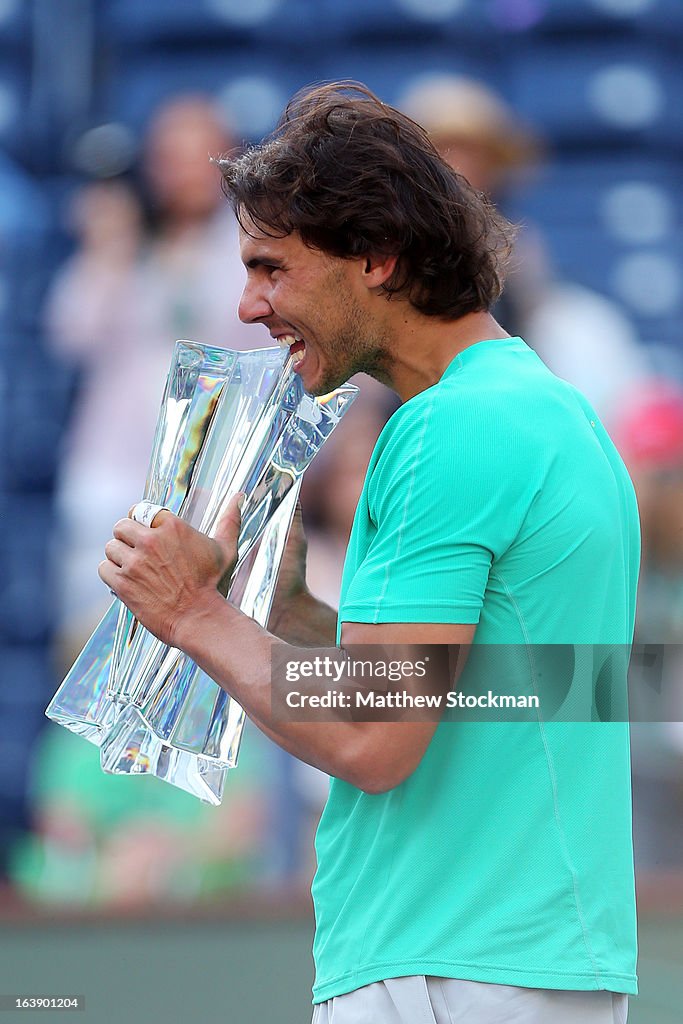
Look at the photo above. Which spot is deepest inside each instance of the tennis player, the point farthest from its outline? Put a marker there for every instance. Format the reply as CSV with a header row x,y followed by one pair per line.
x,y
468,869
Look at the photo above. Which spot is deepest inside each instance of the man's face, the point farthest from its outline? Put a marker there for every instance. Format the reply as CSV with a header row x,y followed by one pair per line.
x,y
313,303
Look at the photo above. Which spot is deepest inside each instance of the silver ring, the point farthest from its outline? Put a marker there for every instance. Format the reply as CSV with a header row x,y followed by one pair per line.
x,y
145,512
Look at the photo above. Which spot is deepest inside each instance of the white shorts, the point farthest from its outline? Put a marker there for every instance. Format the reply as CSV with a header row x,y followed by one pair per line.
x,y
420,1000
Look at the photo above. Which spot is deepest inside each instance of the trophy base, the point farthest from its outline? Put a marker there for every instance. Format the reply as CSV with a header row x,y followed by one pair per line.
x,y
81,704
91,730
131,748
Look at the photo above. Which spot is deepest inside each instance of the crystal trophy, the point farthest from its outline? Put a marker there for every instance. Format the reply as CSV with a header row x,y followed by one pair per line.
x,y
229,421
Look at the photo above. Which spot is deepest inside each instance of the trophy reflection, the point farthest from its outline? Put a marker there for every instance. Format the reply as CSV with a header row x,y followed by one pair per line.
x,y
229,421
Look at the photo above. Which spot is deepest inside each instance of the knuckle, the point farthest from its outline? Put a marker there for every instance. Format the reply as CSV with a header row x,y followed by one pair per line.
x,y
171,524
145,542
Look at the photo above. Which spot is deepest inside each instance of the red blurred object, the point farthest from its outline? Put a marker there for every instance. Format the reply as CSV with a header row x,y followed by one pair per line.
x,y
649,431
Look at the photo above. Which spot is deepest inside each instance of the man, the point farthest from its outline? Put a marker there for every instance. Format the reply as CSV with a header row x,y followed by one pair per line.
x,y
470,870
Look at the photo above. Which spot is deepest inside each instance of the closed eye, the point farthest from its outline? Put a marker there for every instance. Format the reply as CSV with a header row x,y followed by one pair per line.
x,y
255,263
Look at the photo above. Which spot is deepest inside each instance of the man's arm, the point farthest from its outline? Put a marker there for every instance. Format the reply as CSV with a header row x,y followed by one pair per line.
x,y
168,577
237,653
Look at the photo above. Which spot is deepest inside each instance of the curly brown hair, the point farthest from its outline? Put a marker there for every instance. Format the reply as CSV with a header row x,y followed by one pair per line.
x,y
353,176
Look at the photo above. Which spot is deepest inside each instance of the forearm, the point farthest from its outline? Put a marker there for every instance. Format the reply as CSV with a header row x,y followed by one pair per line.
x,y
238,654
304,621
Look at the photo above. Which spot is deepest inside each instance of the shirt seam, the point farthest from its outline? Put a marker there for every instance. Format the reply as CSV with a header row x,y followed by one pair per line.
x,y
553,784
406,505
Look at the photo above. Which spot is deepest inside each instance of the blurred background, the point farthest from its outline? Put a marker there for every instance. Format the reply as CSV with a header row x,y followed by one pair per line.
x,y
115,241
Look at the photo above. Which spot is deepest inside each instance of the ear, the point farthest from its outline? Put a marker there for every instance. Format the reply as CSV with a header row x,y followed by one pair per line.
x,y
377,269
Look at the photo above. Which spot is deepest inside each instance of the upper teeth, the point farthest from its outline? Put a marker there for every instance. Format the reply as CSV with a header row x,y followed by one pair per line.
x,y
288,339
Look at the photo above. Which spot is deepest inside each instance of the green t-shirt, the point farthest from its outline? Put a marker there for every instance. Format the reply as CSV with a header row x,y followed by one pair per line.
x,y
494,497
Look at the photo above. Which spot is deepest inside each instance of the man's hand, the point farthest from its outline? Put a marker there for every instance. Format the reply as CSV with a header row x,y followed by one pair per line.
x,y
168,572
296,616
291,580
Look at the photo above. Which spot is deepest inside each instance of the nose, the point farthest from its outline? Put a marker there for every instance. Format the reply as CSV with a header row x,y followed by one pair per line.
x,y
254,305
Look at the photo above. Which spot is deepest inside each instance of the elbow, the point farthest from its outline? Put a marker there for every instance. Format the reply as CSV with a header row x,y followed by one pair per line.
x,y
375,787
373,778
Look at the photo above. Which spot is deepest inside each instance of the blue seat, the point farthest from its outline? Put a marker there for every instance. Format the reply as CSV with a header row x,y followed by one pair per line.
x,y
36,412
189,22
14,97
25,597
413,20
25,615
25,223
15,28
250,86
598,93
391,70
602,15
29,680
589,189
647,281
24,207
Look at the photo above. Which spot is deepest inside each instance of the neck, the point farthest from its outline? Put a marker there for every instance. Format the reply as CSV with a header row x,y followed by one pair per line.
x,y
423,347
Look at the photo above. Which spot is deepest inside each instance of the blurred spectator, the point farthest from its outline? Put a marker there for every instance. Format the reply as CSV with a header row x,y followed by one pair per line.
x,y
103,840
115,311
193,276
579,334
650,436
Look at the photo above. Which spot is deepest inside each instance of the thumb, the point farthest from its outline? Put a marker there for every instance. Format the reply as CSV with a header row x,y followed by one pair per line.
x,y
228,526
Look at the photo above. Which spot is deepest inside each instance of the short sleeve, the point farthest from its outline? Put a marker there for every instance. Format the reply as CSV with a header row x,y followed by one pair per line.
x,y
440,504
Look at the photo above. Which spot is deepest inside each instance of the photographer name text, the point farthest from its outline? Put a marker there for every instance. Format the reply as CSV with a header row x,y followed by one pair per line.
x,y
397,699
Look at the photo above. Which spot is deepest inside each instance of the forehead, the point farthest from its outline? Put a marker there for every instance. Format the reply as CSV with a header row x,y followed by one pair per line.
x,y
258,247
254,244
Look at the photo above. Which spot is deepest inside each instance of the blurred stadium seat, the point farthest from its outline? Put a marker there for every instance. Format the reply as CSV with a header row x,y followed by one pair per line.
x,y
14,102
609,15
389,72
613,223
189,22
24,208
582,16
25,599
14,24
415,20
590,189
36,410
251,87
28,667
603,93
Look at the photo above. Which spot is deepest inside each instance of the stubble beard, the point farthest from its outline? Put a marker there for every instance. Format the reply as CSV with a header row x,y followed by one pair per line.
x,y
356,348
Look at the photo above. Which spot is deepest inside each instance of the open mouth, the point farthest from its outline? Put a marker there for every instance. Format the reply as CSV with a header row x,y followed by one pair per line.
x,y
296,346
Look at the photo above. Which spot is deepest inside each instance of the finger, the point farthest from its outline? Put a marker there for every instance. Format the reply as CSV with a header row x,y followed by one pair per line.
x,y
228,526
108,573
128,531
116,551
296,538
157,519
297,526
